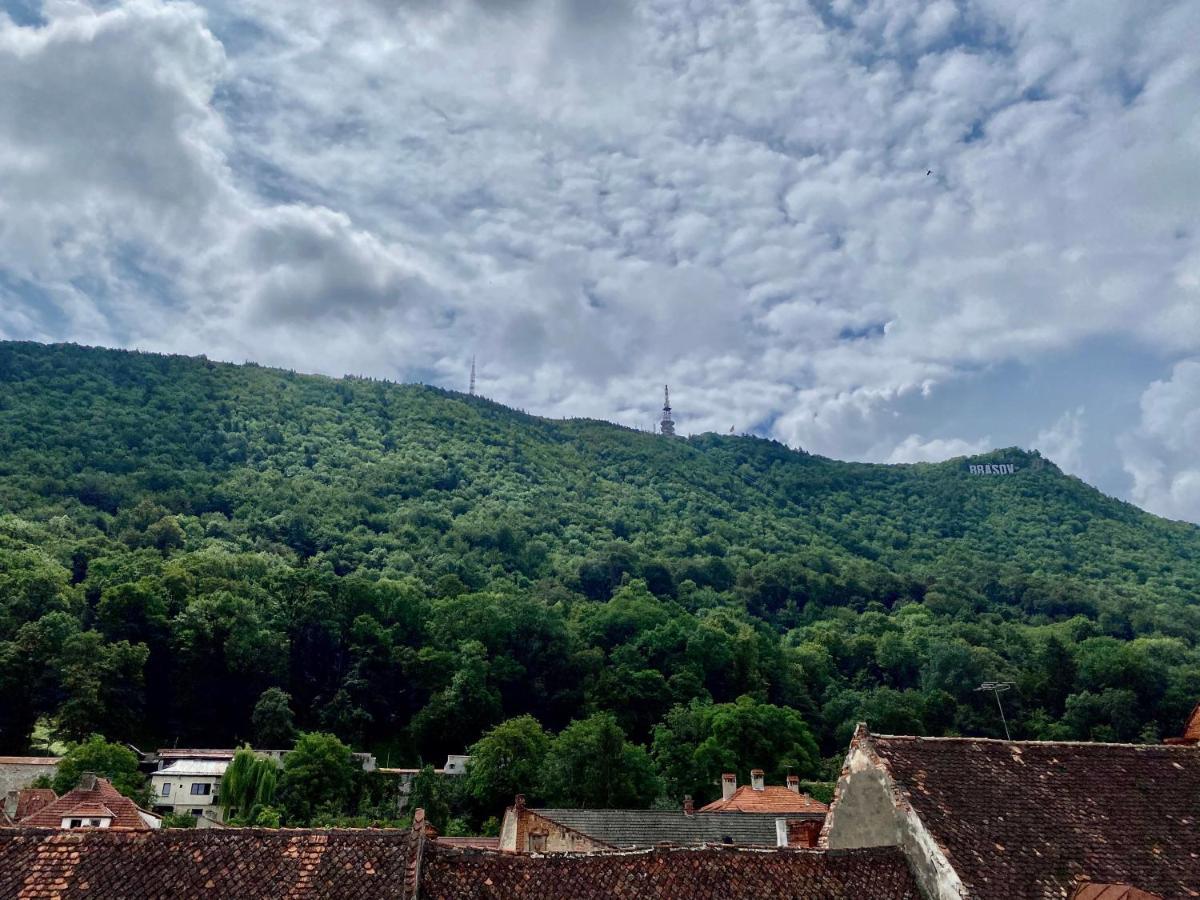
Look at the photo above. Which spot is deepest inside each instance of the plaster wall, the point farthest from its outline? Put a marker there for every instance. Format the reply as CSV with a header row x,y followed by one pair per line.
x,y
868,812
18,776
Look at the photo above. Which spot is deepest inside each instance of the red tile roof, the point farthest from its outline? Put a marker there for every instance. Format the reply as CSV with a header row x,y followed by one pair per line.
x,y
1031,819
29,760
31,800
103,795
1191,730
706,873
772,799
479,843
91,809
254,864
1091,891
231,863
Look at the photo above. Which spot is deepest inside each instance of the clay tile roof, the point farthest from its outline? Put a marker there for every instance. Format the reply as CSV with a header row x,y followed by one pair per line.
x,y
29,760
771,799
625,828
1191,730
237,863
709,873
124,811
31,800
90,808
1092,891
479,843
1029,819
254,864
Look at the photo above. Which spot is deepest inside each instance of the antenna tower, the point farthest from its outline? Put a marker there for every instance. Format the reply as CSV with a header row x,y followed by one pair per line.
x,y
667,425
471,389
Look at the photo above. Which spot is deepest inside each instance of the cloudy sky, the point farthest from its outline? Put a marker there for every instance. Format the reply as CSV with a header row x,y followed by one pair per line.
x,y
876,229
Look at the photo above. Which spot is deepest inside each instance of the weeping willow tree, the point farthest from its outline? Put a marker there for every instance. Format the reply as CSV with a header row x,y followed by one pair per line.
x,y
248,786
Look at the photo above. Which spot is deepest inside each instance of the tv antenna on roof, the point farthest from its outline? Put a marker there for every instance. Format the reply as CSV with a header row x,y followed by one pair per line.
x,y
998,688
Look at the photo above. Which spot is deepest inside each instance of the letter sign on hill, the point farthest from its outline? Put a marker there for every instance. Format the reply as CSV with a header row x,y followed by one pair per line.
x,y
992,469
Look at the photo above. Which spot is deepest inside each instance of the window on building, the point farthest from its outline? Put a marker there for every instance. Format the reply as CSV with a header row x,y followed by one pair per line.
x,y
197,813
201,789
76,823
166,789
537,841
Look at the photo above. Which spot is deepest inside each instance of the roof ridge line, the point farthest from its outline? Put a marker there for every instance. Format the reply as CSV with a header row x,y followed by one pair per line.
x,y
961,738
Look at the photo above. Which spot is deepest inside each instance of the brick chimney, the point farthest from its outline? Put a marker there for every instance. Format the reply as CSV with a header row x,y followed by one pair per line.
x,y
728,785
756,779
688,808
793,783
519,803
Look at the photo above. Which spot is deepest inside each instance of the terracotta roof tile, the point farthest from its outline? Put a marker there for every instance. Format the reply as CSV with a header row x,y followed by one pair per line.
x,y
1191,730
253,864
479,843
709,873
234,863
1092,891
123,810
31,800
628,828
1030,819
771,799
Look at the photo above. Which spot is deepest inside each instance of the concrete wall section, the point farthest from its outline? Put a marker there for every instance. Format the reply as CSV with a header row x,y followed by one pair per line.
x,y
869,811
16,776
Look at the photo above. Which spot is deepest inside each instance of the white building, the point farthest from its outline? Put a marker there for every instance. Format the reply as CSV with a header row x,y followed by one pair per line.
x,y
190,787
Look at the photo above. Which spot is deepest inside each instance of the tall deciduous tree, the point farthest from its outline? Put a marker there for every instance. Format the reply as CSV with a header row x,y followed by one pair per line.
x,y
591,764
248,785
507,761
696,744
115,762
318,774
273,721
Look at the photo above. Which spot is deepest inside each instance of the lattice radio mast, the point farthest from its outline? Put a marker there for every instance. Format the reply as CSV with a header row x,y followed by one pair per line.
x,y
667,425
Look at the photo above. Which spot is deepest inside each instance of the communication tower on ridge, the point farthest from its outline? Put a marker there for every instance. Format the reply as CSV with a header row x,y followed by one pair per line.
x,y
471,389
667,425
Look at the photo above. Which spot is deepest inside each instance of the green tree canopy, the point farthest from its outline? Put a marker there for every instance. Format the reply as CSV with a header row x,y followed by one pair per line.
x,y
591,764
431,792
273,720
112,761
248,785
697,744
507,761
318,773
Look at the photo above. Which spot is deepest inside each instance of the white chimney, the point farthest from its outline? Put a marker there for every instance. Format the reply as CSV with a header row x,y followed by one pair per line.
x,y
756,779
728,785
793,782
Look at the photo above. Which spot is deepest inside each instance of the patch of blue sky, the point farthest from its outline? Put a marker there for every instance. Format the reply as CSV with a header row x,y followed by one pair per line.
x,y
35,304
27,13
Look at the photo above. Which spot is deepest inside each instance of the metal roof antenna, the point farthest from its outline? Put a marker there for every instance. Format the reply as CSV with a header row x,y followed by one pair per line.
x,y
998,688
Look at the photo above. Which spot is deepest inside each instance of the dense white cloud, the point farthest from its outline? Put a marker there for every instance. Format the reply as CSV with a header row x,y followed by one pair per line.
x,y
596,198
1160,453
915,449
1064,442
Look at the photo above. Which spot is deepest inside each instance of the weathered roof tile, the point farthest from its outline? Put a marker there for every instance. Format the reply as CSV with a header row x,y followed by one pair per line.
x,y
769,799
1032,819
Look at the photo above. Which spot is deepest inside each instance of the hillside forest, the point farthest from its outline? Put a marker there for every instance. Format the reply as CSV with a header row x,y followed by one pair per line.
x,y
201,554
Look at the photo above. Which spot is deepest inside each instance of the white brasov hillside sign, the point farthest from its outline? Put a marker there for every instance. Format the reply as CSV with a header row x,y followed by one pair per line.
x,y
993,469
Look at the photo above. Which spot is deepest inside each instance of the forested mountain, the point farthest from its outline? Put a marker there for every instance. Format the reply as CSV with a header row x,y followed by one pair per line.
x,y
414,565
